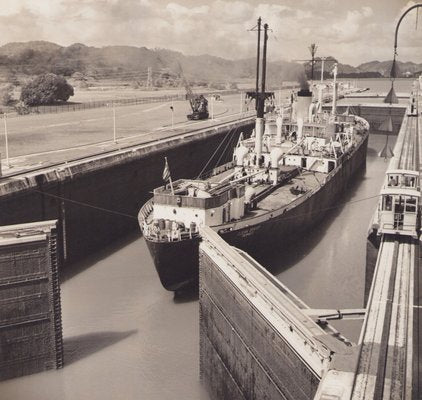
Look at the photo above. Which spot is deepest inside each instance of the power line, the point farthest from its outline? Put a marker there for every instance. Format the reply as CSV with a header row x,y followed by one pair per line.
x,y
84,204
121,214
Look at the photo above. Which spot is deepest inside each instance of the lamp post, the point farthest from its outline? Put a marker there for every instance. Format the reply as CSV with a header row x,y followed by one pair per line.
x,y
114,124
391,96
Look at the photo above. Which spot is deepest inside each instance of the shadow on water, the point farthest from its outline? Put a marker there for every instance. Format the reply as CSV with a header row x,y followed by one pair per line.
x,y
284,257
372,152
78,347
187,295
72,269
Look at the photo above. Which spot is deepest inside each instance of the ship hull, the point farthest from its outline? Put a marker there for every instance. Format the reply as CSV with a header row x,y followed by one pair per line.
x,y
177,262
303,216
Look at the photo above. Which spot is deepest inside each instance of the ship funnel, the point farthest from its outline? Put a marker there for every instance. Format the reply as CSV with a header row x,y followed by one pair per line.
x,y
304,100
259,132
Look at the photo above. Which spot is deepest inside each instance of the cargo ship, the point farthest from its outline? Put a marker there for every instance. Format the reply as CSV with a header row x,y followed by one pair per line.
x,y
279,184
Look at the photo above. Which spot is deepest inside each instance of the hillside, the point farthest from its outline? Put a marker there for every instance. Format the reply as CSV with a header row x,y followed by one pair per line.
x,y
128,63
384,67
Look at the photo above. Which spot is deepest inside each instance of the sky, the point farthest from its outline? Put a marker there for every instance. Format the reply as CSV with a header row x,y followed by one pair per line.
x,y
353,31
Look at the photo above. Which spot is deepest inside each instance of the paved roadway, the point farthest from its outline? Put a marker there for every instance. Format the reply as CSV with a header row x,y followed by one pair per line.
x,y
39,140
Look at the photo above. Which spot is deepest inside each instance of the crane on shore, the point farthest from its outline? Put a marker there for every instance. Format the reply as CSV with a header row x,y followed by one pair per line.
x,y
198,103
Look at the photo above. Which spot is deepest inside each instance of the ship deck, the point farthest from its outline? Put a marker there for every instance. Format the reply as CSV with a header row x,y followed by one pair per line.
x,y
282,196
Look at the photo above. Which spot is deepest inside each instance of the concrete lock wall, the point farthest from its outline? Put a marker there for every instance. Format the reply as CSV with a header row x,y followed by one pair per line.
x,y
242,356
377,115
121,182
30,310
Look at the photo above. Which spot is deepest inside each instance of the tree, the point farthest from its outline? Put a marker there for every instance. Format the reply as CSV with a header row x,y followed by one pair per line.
x,y
46,89
6,95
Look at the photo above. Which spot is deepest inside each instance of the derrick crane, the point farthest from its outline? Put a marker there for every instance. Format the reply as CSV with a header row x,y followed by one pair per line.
x,y
198,103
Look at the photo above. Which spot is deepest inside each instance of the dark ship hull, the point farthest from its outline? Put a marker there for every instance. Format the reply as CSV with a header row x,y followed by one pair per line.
x,y
177,262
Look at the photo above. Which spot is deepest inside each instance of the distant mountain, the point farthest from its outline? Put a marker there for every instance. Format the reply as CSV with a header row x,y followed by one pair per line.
x,y
368,69
384,67
15,49
129,63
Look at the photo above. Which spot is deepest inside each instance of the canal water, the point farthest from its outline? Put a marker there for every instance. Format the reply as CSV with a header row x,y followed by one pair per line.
x,y
127,338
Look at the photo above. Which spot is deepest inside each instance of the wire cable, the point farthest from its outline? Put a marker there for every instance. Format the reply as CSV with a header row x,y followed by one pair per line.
x,y
80,203
213,154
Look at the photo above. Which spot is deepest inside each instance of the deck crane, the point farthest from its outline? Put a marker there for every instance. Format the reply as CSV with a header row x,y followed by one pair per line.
x,y
198,103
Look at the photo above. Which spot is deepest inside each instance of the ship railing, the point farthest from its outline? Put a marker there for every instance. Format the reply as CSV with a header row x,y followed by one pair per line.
x,y
146,211
153,232
217,170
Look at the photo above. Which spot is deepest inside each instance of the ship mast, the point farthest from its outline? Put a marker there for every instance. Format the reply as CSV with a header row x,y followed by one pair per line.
x,y
258,55
262,96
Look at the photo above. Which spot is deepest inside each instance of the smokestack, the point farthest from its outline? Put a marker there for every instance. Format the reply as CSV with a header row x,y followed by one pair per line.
x,y
303,81
304,100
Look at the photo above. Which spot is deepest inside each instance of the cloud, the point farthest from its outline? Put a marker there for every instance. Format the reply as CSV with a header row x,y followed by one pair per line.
x,y
351,28
179,11
352,32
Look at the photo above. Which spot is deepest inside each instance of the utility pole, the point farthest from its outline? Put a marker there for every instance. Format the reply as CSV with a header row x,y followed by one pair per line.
x,y
313,61
241,104
114,123
172,114
313,49
5,139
